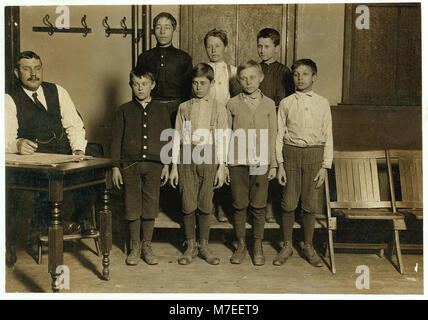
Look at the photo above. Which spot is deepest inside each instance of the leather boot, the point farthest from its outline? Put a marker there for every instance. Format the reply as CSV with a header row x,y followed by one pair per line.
x,y
207,254
240,252
285,253
190,253
311,256
134,256
147,253
258,257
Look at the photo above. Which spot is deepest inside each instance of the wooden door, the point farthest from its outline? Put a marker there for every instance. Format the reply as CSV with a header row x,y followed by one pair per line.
x,y
242,23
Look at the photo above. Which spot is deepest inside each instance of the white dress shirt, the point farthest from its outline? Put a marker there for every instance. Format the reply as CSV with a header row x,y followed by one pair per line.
x,y
220,92
70,120
304,120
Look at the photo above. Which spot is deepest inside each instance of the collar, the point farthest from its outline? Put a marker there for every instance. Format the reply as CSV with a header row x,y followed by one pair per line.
x,y
218,64
207,98
268,64
164,48
145,102
255,95
30,93
299,94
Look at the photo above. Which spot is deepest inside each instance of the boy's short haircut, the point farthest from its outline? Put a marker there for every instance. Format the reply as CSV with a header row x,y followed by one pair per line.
x,y
203,70
27,55
218,33
249,64
305,62
141,73
165,15
269,33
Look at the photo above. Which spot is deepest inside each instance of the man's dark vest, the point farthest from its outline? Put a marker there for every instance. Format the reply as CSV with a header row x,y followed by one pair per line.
x,y
41,125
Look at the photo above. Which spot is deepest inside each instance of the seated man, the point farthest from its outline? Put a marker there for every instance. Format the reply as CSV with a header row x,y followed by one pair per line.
x,y
41,117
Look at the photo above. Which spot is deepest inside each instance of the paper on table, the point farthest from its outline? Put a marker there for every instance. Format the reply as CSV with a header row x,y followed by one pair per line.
x,y
43,159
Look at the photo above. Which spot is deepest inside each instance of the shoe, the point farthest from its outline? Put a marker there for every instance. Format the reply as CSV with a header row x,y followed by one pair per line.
x,y
221,216
87,228
135,254
285,253
147,253
311,256
190,253
206,254
258,257
240,252
269,213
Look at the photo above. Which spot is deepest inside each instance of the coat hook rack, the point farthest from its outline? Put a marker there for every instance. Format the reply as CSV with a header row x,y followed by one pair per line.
x,y
50,29
124,30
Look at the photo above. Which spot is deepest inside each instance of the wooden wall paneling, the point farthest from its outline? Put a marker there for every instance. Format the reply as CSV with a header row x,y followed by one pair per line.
x,y
347,54
382,65
11,44
186,15
207,17
289,43
409,78
253,18
374,58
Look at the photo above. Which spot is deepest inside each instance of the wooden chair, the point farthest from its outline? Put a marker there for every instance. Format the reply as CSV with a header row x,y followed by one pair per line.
x,y
357,193
405,172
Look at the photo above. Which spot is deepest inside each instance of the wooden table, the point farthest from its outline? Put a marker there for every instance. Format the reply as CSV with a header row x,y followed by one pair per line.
x,y
56,180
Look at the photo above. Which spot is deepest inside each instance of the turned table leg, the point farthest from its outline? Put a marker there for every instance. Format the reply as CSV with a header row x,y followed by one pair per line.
x,y
55,232
105,233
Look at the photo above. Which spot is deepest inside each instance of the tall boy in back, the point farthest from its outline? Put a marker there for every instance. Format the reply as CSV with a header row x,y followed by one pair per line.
x,y
170,66
197,120
225,86
253,114
135,153
277,84
304,150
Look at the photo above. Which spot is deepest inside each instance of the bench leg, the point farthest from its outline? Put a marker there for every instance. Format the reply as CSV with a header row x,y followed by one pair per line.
x,y
331,251
398,251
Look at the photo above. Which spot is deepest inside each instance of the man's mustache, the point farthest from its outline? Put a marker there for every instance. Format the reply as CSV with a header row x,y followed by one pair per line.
x,y
33,79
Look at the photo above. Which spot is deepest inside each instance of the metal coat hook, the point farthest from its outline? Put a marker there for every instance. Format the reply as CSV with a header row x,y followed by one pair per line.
x,y
123,30
85,26
50,29
49,24
106,26
123,25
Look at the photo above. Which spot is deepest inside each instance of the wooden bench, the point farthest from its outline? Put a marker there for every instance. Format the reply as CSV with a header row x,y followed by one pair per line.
x,y
357,197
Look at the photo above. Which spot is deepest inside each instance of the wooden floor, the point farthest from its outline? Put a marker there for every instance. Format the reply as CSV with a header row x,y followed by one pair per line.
x,y
296,276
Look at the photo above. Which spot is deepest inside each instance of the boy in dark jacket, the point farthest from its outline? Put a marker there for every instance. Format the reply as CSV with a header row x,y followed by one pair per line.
x,y
135,151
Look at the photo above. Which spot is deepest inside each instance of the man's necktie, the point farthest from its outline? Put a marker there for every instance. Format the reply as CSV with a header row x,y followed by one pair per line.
x,y
37,102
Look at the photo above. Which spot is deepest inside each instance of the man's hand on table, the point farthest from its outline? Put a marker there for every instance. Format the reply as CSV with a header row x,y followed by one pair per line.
x,y
26,146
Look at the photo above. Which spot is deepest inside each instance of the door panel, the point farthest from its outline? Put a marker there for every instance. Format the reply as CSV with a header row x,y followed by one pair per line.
x,y
242,23
251,19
